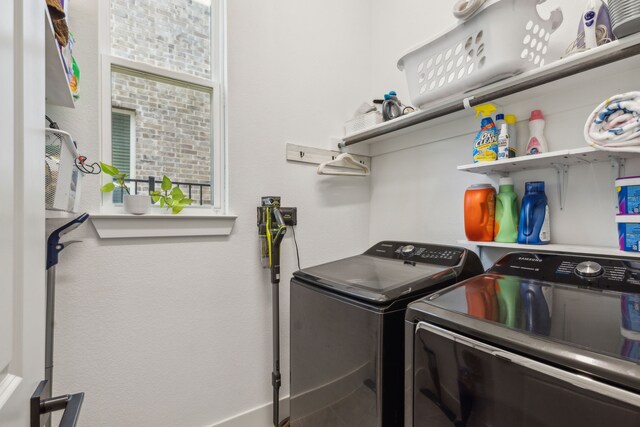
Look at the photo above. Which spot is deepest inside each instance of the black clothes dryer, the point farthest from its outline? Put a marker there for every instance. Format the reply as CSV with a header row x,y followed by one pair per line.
x,y
347,323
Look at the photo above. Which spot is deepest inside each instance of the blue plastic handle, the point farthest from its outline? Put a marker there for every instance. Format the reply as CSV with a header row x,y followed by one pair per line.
x,y
53,242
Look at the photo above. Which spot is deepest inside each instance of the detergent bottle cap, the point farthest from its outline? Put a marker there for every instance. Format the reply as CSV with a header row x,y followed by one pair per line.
x,y
506,181
534,187
393,93
387,96
500,116
485,109
536,115
510,119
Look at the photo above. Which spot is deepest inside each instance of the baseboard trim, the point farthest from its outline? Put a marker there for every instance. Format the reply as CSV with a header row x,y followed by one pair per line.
x,y
260,416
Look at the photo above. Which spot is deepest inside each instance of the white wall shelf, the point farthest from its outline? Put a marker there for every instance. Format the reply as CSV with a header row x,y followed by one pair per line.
x,y
560,160
552,159
552,247
51,214
57,83
589,66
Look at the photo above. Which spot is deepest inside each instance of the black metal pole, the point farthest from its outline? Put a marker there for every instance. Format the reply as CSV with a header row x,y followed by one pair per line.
x,y
276,379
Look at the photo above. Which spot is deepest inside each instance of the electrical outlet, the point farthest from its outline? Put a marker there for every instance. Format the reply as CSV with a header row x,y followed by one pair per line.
x,y
290,215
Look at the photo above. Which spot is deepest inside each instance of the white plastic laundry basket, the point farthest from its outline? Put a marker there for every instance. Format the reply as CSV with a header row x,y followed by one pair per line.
x,y
503,38
62,177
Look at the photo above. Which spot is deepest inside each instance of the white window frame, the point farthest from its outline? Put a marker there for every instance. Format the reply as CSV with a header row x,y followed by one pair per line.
x,y
217,84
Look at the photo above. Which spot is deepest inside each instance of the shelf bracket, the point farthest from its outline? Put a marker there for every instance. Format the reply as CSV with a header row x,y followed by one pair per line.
x,y
617,170
618,167
563,182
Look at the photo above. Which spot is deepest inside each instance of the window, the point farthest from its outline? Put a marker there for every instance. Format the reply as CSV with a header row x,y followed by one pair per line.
x,y
162,95
123,143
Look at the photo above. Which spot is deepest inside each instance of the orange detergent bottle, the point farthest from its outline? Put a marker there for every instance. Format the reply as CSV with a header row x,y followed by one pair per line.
x,y
479,212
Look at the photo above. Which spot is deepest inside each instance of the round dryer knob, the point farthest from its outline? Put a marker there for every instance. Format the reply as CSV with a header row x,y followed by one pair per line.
x,y
589,269
408,250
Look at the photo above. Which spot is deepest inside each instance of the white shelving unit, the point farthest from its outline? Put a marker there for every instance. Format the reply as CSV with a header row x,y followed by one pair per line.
x,y
51,214
57,83
560,160
552,159
585,67
575,249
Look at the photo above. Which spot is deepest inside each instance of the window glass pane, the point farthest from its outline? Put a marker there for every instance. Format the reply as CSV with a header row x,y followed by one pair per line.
x,y
172,131
121,141
172,34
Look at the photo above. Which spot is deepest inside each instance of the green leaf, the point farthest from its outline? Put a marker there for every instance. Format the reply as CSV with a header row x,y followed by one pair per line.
x,y
177,194
155,193
155,198
166,183
109,170
162,202
108,187
186,201
177,209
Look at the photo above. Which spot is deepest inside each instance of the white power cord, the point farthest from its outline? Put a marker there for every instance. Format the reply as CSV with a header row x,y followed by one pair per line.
x,y
615,124
463,9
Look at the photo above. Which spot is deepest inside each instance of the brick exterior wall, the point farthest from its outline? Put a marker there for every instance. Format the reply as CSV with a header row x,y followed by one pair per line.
x,y
173,123
173,129
172,34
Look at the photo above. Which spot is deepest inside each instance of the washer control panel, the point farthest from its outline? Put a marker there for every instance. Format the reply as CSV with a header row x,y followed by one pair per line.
x,y
620,274
410,252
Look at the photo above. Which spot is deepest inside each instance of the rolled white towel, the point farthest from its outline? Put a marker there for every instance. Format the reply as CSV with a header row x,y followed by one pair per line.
x,y
615,124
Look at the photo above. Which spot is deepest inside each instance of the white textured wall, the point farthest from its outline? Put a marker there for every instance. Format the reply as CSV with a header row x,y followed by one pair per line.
x,y
177,332
153,344
422,182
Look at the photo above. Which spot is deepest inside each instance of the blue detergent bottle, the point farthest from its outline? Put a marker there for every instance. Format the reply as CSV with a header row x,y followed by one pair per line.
x,y
533,228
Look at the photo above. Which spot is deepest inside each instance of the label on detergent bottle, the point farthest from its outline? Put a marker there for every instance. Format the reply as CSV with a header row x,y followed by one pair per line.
x,y
629,199
545,230
485,145
534,146
629,235
503,146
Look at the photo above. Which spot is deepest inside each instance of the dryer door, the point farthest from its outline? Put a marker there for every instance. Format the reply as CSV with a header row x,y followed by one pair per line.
x,y
458,381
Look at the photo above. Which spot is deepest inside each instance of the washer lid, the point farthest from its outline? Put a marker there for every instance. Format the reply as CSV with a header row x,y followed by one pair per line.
x,y
588,329
376,279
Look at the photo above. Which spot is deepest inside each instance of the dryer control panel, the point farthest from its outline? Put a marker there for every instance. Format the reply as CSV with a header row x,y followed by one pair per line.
x,y
617,274
448,256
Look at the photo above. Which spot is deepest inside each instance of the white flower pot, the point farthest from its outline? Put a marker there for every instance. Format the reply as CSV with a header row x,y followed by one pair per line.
x,y
137,204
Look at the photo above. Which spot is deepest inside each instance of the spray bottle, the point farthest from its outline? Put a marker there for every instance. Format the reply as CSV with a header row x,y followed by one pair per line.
x,y
485,145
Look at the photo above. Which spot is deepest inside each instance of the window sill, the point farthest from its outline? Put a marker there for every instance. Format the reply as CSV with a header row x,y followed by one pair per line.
x,y
119,225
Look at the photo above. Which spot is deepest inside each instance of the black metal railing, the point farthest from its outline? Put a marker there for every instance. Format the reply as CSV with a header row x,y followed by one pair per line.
x,y
153,183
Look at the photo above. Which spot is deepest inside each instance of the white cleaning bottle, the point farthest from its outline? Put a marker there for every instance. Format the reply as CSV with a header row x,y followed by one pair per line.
x,y
537,141
504,142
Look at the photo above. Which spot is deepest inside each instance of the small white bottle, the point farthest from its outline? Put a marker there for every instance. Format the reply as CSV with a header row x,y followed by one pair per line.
x,y
537,141
499,121
503,142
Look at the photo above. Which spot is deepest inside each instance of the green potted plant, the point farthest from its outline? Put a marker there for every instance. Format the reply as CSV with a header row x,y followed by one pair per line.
x,y
137,204
170,197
